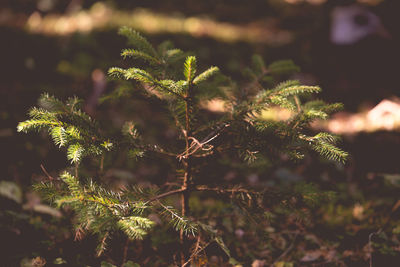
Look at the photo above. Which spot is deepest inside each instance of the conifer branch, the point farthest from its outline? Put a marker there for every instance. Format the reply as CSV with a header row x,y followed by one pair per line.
x,y
166,194
142,76
138,41
225,190
140,55
205,75
189,69
179,222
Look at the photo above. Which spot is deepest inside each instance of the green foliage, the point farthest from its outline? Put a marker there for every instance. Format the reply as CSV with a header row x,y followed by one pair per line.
x,y
189,69
100,210
296,90
207,74
138,41
135,226
139,55
238,132
68,126
179,222
282,67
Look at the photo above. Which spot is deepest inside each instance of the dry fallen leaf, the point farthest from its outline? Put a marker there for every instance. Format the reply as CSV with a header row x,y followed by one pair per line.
x,y
311,256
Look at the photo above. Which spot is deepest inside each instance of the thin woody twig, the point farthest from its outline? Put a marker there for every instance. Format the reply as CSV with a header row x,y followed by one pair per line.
x,y
203,188
289,248
51,178
196,253
196,145
166,194
158,149
298,104
102,244
204,154
76,169
223,190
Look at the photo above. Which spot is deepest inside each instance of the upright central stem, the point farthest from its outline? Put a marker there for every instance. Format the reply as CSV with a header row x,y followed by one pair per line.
x,y
186,179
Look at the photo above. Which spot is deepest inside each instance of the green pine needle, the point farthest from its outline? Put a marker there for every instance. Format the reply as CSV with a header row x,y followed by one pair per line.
x,y
138,41
75,153
59,136
206,75
189,69
140,55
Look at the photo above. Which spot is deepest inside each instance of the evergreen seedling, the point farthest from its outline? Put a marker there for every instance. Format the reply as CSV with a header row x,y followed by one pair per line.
x,y
237,132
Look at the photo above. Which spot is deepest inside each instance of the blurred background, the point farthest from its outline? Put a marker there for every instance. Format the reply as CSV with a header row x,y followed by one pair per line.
x,y
350,48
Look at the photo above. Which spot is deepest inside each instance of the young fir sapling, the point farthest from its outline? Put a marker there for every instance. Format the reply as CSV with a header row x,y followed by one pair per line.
x,y
239,132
